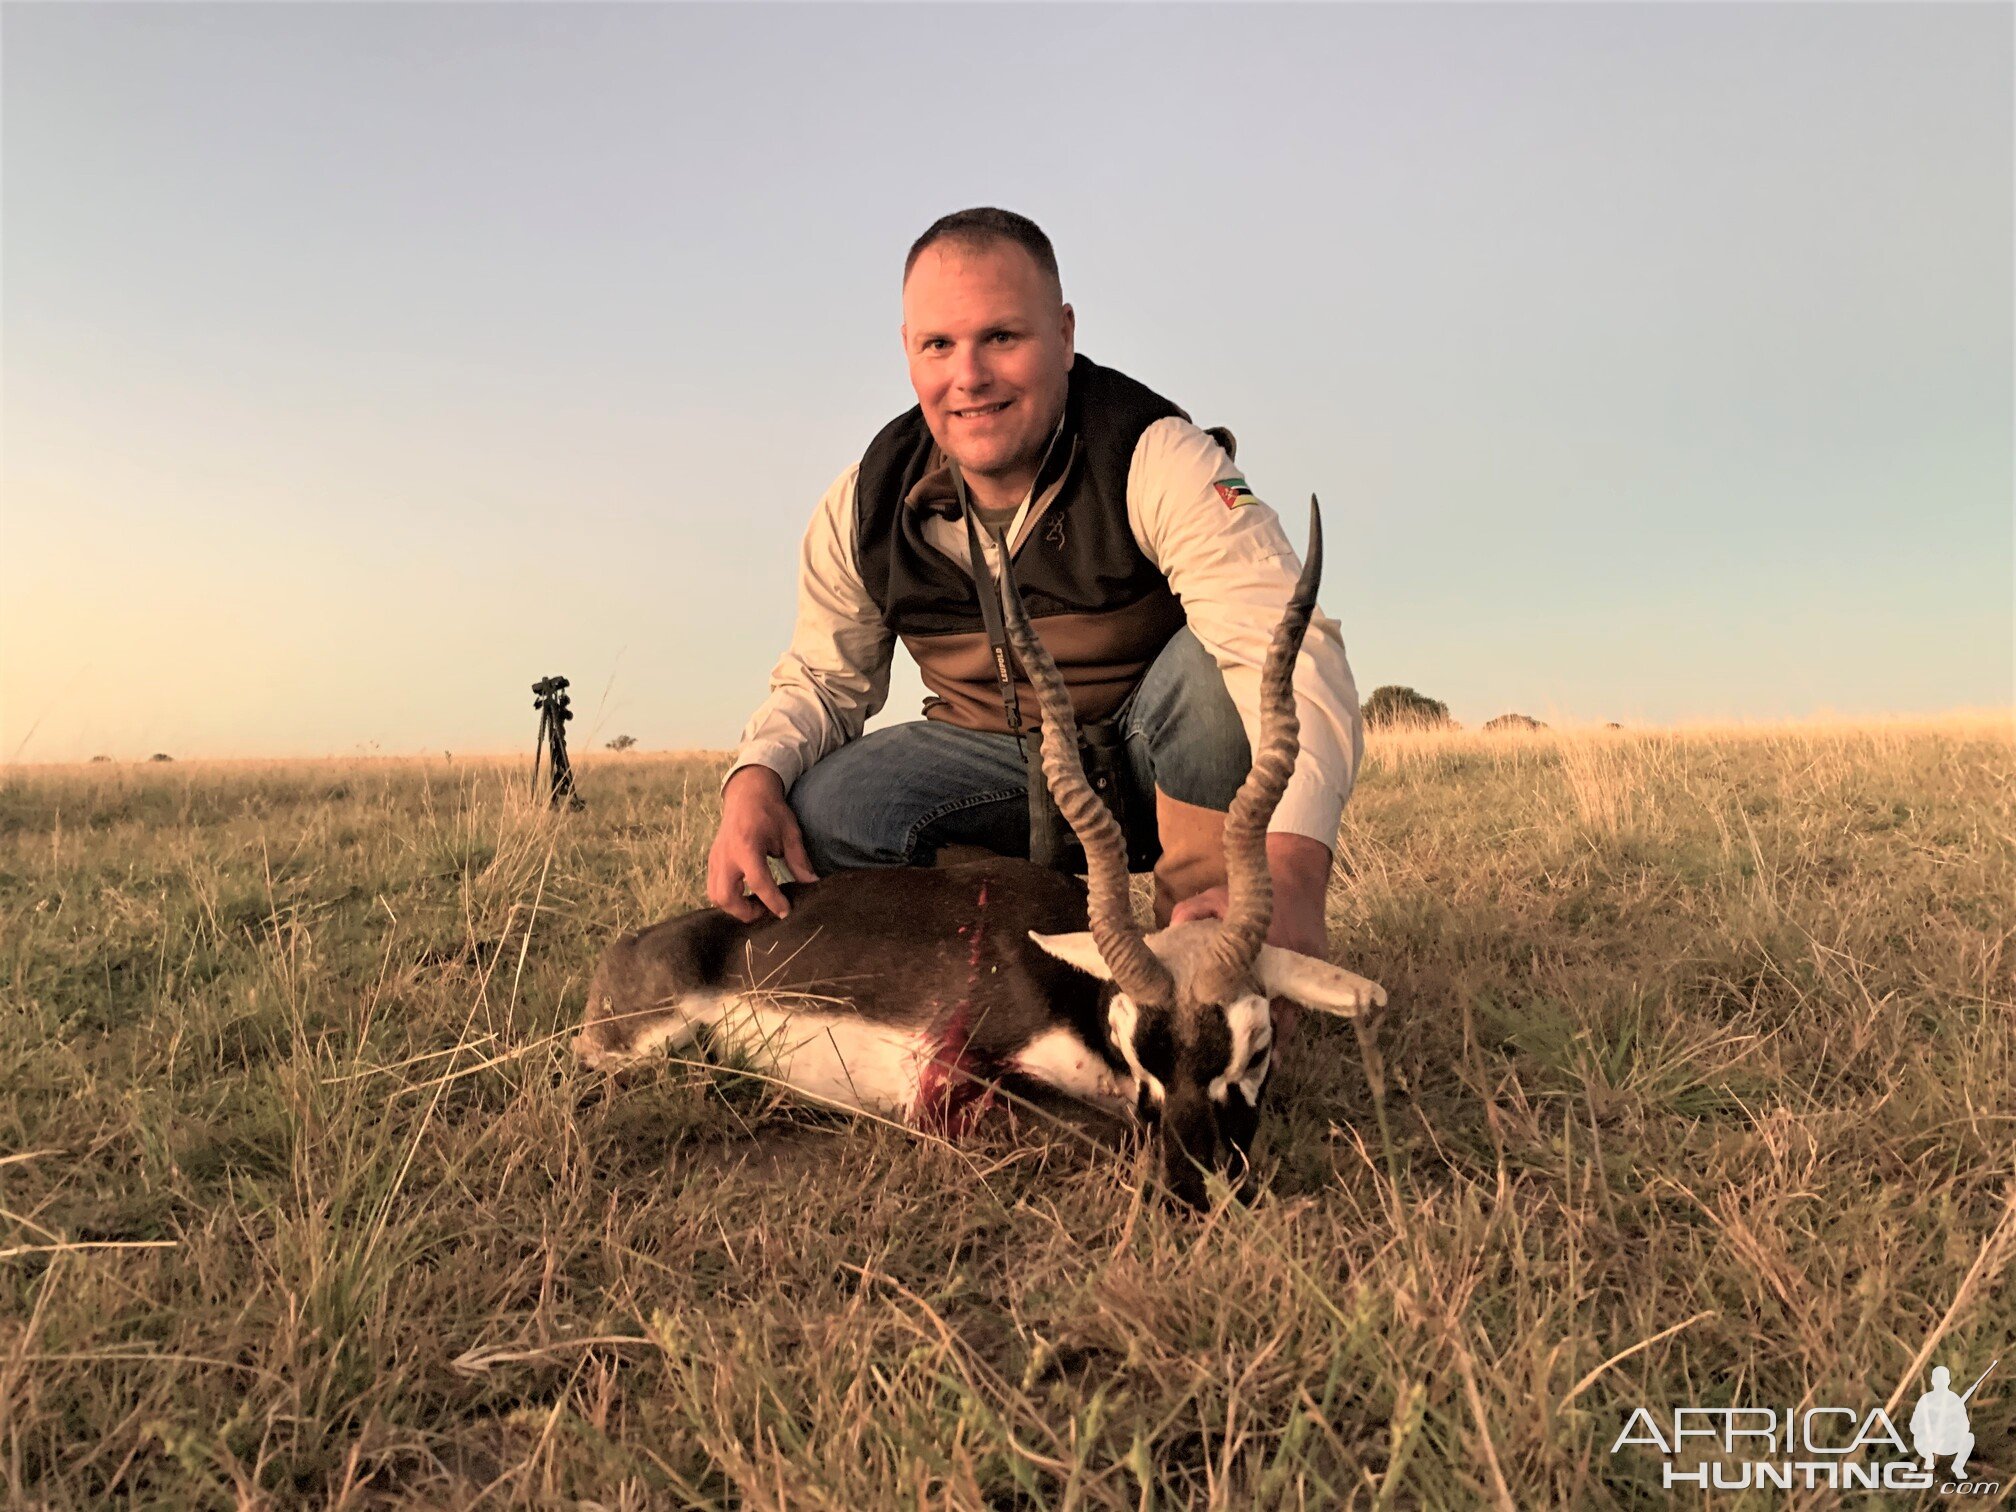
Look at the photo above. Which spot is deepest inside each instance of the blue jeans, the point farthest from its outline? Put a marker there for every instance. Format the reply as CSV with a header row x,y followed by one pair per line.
x,y
894,797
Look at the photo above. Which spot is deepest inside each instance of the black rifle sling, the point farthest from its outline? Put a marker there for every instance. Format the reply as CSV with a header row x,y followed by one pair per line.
x,y
1051,842
990,607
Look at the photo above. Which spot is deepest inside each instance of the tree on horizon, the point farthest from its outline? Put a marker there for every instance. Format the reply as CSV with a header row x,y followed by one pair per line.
x,y
1398,705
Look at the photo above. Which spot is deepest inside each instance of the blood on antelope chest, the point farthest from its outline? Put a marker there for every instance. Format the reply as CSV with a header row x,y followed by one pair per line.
x,y
955,1076
932,1076
937,1078
931,1057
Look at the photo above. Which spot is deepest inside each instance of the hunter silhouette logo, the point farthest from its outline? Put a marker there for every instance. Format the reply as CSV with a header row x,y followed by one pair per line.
x,y
1939,1423
1841,1448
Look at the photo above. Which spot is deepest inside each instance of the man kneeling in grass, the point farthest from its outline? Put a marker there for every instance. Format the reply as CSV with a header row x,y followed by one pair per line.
x,y
1153,573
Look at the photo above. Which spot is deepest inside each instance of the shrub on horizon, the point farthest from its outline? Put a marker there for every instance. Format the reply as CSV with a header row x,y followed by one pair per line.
x,y
1396,705
622,742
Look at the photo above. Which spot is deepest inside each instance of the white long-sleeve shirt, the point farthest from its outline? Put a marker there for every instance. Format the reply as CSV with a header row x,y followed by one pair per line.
x,y
1224,553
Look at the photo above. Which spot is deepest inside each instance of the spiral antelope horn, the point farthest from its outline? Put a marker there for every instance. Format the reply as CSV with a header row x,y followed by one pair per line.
x,y
1136,969
1249,885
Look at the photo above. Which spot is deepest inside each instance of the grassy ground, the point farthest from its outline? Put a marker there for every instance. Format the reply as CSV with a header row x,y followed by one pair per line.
x,y
1699,1085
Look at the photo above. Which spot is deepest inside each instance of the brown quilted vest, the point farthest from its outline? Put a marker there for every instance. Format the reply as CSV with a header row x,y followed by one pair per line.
x,y
1102,609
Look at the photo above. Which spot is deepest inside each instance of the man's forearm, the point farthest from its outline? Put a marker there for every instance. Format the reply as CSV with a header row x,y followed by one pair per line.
x,y
754,775
812,711
1301,870
835,674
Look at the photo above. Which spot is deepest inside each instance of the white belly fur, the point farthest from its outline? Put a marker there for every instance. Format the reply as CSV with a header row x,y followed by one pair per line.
x,y
831,1057
848,1061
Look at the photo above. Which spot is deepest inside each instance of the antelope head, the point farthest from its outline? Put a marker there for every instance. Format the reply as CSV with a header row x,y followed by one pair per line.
x,y
1189,1007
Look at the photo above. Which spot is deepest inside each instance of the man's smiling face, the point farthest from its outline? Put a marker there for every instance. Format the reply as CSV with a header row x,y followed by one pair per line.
x,y
989,341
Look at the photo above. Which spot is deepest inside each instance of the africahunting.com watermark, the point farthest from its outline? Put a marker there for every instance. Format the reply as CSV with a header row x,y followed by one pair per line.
x,y
1842,1448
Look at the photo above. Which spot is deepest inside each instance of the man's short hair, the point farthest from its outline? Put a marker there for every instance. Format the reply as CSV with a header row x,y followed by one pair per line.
x,y
985,226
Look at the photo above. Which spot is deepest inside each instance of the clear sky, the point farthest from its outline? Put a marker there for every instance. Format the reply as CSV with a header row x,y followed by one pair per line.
x,y
364,363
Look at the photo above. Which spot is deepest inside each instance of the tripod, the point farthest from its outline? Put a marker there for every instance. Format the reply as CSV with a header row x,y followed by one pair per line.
x,y
549,697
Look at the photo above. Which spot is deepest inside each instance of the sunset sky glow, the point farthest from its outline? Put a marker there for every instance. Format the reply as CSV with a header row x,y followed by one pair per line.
x,y
365,363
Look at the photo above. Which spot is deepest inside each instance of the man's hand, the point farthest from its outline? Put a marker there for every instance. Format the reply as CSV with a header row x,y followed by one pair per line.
x,y
756,824
1301,871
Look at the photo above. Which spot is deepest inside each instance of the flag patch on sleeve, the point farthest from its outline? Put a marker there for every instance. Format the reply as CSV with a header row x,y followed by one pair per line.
x,y
1234,492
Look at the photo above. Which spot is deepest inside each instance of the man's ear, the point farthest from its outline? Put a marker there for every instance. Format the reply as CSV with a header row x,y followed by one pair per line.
x,y
1077,950
1315,984
1070,337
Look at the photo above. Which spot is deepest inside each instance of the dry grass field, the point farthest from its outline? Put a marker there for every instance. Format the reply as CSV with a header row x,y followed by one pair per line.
x,y
1698,1088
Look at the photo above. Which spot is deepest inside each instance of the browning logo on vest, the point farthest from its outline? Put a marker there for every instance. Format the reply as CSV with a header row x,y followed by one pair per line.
x,y
1103,609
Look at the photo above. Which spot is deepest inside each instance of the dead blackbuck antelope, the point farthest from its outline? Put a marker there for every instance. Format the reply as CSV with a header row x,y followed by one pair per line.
x,y
914,992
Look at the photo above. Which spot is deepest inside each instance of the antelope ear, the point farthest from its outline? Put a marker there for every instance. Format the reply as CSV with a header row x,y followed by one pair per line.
x,y
1076,950
1315,984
